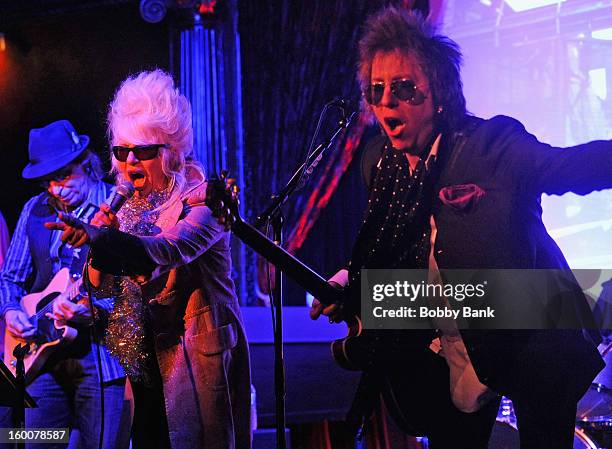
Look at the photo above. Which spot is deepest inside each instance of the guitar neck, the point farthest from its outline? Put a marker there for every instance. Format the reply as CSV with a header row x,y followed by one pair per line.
x,y
71,293
75,289
292,267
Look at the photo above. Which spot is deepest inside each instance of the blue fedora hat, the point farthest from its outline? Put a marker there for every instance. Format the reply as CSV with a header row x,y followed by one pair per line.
x,y
53,147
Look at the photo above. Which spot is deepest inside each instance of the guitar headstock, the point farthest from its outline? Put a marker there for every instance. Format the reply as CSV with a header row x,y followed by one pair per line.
x,y
222,199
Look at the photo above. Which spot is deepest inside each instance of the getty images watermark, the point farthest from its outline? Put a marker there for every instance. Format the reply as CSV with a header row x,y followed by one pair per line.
x,y
486,299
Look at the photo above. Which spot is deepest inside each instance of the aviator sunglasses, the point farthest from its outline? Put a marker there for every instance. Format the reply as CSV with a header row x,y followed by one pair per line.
x,y
142,152
402,89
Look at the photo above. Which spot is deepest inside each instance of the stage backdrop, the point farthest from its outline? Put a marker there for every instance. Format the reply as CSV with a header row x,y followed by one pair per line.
x,y
296,57
65,62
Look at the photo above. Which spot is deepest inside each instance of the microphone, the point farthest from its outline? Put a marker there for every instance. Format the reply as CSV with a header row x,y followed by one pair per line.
x,y
347,108
341,103
120,195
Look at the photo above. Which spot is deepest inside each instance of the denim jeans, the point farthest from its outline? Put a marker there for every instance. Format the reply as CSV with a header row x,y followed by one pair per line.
x,y
68,396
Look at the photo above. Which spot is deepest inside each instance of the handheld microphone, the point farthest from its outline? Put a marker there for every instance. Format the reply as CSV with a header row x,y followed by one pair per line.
x,y
120,195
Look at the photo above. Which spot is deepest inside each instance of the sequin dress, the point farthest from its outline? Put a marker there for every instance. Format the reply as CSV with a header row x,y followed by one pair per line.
x,y
126,336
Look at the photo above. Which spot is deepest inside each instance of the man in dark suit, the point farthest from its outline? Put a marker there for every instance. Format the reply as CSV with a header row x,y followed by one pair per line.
x,y
452,191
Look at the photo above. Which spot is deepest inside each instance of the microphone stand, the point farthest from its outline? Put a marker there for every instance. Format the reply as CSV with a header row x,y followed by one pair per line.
x,y
19,353
274,216
280,198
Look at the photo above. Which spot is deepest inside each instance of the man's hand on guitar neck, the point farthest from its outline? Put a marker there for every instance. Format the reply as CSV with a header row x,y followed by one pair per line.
x,y
65,311
335,312
18,324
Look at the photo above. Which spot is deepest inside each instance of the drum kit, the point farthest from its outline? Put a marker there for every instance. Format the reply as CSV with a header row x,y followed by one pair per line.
x,y
594,414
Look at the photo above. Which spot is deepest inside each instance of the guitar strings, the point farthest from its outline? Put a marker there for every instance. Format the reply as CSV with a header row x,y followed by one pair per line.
x,y
72,293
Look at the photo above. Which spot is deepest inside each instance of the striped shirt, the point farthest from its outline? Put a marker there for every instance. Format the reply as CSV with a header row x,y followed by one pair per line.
x,y
18,271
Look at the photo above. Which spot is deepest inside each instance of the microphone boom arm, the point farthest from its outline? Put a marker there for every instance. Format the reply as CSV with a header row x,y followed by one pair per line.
x,y
280,198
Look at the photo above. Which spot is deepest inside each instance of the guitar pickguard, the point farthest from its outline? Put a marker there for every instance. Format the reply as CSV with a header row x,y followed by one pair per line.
x,y
48,337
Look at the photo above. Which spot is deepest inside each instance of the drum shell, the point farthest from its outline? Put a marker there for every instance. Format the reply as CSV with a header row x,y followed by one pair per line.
x,y
596,405
506,436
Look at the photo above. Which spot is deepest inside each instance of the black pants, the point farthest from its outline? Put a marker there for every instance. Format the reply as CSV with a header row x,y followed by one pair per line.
x,y
545,423
418,398
150,427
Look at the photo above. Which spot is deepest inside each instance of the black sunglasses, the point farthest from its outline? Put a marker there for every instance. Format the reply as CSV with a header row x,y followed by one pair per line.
x,y
142,152
403,90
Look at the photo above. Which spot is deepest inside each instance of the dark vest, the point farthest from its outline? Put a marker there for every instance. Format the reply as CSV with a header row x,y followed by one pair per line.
x,y
44,267
39,239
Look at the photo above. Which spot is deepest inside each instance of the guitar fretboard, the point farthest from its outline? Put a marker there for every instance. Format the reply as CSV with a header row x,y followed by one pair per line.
x,y
71,293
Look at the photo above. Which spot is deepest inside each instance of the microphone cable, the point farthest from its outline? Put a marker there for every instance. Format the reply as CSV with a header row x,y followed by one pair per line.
x,y
94,339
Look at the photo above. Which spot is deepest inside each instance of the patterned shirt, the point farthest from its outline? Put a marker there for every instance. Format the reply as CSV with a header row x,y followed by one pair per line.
x,y
18,270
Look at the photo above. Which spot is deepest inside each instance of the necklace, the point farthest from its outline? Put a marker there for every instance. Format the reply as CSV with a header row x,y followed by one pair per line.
x,y
126,337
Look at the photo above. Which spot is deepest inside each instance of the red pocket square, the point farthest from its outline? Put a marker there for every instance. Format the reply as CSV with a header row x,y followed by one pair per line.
x,y
462,196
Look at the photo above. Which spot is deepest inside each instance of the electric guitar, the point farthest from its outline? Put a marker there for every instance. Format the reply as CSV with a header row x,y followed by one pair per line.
x,y
361,347
49,335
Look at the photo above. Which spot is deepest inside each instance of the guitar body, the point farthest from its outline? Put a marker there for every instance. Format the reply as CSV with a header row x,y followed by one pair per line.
x,y
49,337
348,351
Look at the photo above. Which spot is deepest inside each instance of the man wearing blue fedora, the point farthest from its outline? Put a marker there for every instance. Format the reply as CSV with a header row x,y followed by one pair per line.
x,y
67,386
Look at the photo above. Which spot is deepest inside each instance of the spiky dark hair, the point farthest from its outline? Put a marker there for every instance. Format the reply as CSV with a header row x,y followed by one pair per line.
x,y
440,58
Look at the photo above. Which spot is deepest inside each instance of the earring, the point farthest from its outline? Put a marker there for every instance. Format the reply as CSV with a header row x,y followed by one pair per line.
x,y
439,110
